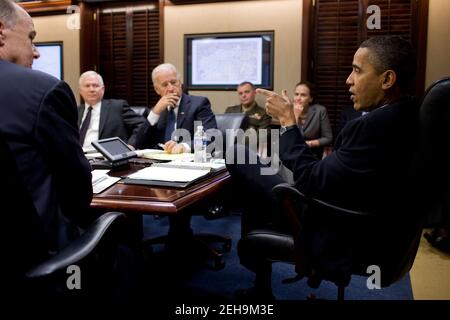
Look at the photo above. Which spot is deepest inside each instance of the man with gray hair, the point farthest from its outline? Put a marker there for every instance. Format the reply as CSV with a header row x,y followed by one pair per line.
x,y
38,120
174,110
100,118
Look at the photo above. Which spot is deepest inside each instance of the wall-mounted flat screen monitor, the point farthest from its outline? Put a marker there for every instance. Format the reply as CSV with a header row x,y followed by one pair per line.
x,y
220,61
51,58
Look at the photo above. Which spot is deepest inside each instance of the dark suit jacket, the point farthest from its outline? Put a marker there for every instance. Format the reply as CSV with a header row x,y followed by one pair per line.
x,y
117,119
192,108
371,156
38,118
317,126
347,114
370,171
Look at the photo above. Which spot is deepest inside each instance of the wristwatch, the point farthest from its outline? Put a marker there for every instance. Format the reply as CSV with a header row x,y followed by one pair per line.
x,y
283,130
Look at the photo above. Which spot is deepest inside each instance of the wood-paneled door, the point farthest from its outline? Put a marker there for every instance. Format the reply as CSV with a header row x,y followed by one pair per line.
x,y
332,32
123,42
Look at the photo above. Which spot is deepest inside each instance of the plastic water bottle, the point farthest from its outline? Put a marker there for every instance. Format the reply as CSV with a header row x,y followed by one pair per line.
x,y
199,145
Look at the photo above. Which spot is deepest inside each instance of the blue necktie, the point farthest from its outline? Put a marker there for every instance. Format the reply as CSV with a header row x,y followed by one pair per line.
x,y
170,124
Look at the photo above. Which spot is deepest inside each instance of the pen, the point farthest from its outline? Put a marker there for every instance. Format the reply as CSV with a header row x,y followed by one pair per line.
x,y
98,180
161,146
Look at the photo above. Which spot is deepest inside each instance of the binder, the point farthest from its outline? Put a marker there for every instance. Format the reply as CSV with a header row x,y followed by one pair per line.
x,y
178,177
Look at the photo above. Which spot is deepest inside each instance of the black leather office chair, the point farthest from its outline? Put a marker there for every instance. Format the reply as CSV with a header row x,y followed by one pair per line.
x,y
26,265
228,124
141,110
367,239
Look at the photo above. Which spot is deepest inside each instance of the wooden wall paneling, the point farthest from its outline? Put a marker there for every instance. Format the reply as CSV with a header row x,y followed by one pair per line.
x,y
38,8
128,41
336,37
307,38
339,28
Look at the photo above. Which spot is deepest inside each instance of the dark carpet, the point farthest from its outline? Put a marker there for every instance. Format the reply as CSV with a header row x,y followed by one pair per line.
x,y
191,279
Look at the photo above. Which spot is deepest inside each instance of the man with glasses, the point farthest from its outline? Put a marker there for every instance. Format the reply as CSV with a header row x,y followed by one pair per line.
x,y
38,120
174,110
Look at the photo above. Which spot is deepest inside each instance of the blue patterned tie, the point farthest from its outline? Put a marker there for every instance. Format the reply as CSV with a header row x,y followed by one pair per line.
x,y
170,124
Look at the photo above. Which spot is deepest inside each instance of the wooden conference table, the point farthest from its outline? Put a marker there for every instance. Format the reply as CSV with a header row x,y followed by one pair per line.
x,y
136,200
157,200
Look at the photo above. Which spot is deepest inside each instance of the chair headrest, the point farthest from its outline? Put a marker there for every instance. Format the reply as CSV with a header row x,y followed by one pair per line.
x,y
434,118
232,121
141,110
436,101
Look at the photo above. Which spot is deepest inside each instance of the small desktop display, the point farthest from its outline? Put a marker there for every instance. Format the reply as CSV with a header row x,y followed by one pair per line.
x,y
114,149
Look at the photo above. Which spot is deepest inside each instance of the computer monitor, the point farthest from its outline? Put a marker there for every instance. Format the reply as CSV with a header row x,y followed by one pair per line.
x,y
114,149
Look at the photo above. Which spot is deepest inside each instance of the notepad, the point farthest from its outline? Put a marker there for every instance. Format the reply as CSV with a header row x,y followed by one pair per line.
x,y
212,166
164,156
101,180
148,152
169,174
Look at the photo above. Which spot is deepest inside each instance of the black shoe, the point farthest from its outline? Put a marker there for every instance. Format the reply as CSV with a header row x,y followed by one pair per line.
x,y
254,295
431,236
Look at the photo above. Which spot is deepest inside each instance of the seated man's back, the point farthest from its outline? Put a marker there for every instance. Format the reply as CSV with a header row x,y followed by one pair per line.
x,y
38,121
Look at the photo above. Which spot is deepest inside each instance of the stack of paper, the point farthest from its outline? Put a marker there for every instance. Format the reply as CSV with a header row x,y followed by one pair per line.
x,y
212,166
156,154
169,174
148,152
101,180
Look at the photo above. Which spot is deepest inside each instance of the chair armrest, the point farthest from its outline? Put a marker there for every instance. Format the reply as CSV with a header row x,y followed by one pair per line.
x,y
285,190
79,248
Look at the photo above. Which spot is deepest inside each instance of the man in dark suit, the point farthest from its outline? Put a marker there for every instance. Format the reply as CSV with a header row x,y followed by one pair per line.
x,y
370,158
109,117
38,119
174,110
175,115
348,113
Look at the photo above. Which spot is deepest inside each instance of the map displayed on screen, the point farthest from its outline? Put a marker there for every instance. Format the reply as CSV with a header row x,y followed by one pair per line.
x,y
227,61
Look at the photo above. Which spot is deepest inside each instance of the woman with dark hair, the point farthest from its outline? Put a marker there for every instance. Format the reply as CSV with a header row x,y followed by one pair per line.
x,y
312,119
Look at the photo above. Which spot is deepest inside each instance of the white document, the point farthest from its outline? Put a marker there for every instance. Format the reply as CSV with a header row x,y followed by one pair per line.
x,y
169,174
169,156
158,154
148,152
212,166
94,155
101,180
